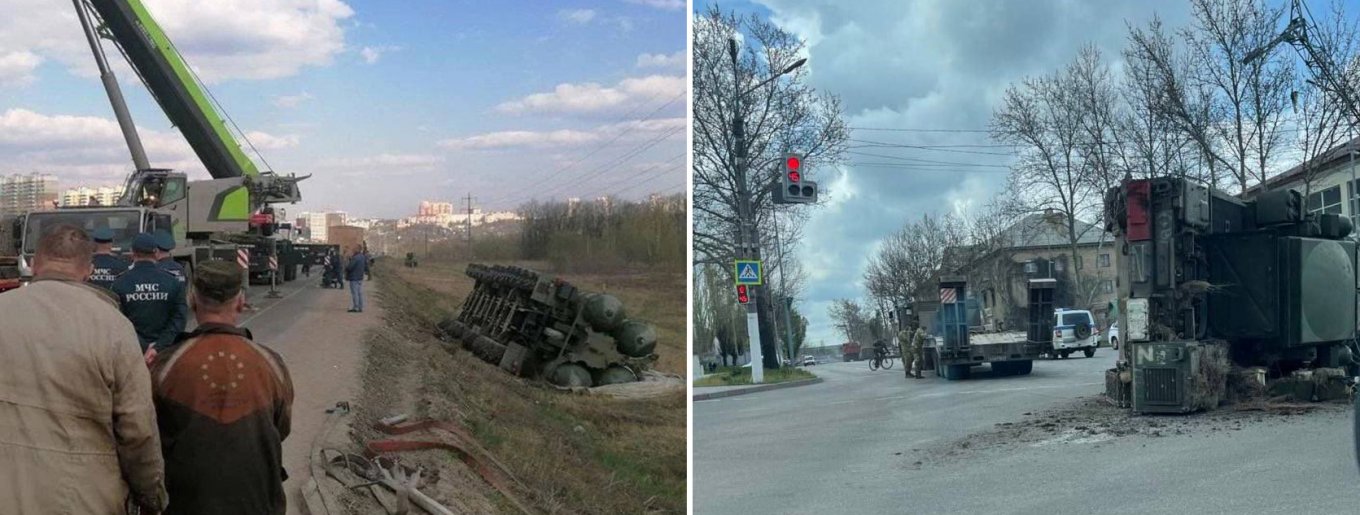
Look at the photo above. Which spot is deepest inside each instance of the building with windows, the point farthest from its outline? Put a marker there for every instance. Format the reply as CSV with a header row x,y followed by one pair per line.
x,y
23,193
432,208
1037,247
1326,182
91,196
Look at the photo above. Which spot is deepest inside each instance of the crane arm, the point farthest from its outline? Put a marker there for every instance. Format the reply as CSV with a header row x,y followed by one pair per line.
x,y
185,102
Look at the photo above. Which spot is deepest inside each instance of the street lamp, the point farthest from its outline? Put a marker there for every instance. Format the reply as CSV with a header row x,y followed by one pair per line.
x,y
748,240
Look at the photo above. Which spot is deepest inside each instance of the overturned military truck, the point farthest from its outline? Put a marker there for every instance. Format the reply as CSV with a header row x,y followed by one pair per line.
x,y
536,326
1224,298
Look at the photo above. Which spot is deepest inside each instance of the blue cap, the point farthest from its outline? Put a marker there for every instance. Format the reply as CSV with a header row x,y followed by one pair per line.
x,y
164,240
104,235
144,243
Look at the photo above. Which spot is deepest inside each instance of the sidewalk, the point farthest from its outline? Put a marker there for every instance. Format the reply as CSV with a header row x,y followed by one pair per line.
x,y
703,393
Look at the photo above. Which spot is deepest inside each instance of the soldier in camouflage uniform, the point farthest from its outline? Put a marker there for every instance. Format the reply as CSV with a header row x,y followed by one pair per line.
x,y
918,342
904,344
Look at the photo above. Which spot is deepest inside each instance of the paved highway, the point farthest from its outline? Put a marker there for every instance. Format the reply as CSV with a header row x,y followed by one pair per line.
x,y
874,442
322,345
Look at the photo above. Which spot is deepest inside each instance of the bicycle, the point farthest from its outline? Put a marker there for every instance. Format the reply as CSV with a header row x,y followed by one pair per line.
x,y
883,362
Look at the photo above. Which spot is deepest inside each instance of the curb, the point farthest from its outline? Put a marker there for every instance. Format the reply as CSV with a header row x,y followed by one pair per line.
x,y
755,389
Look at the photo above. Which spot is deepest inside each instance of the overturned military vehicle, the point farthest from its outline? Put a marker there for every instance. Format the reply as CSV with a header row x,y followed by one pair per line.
x,y
537,326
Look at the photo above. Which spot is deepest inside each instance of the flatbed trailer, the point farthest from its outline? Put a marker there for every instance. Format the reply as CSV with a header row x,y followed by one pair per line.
x,y
956,348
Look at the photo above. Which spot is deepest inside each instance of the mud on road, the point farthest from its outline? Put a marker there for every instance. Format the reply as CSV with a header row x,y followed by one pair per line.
x,y
1094,420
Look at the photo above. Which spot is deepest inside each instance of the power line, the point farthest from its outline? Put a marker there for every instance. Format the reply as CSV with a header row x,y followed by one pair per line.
x,y
925,161
670,161
884,129
611,164
876,144
922,168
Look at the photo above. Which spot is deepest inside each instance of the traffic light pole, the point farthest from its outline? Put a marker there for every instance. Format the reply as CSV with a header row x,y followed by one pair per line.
x,y
783,288
746,241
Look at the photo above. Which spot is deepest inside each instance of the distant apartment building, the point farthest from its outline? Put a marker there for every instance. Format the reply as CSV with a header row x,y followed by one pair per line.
x,y
432,208
316,226
24,193
91,196
335,218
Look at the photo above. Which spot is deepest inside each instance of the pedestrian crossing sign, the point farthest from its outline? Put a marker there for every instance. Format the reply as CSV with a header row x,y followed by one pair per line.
x,y
748,272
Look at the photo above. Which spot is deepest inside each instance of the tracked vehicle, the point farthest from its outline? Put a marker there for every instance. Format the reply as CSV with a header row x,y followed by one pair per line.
x,y
537,326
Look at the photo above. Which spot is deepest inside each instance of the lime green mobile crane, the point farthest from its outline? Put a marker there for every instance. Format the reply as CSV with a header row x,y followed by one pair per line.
x,y
200,213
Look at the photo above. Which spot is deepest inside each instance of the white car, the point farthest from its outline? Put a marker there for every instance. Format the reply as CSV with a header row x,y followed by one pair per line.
x,y
1074,330
809,361
1113,332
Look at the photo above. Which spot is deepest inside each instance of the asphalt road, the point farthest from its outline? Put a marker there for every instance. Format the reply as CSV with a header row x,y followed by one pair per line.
x,y
851,443
322,346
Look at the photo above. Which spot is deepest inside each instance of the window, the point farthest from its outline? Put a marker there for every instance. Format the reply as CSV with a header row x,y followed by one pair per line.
x,y
1031,267
1103,261
1079,263
1072,318
1325,201
1107,286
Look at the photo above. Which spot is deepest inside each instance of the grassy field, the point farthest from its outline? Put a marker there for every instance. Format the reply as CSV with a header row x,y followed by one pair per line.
x,y
574,453
732,376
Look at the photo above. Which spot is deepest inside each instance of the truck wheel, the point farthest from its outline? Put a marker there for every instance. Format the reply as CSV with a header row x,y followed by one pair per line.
x,y
1090,352
1022,368
1064,354
956,372
1114,343
1002,368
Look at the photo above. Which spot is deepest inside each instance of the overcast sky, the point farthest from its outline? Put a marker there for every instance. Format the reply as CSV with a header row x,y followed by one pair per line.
x,y
386,103
923,64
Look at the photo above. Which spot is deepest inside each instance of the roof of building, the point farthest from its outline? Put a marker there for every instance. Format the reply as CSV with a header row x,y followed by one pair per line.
x,y
1329,159
1041,230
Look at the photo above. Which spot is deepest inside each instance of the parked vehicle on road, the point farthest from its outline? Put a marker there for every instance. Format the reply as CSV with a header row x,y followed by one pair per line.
x,y
1113,333
809,361
1073,330
956,348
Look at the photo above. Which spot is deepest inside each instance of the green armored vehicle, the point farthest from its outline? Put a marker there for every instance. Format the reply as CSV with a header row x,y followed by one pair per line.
x,y
536,326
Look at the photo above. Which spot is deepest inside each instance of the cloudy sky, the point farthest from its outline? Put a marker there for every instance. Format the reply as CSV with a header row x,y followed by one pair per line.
x,y
927,73
385,103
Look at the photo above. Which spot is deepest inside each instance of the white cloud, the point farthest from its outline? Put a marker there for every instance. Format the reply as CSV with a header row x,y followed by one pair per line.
x,y
291,101
592,98
669,5
577,16
630,131
266,141
371,54
676,60
386,161
16,67
83,148
224,39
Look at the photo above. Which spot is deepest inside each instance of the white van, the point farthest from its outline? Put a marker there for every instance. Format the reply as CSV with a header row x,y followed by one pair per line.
x,y
1074,330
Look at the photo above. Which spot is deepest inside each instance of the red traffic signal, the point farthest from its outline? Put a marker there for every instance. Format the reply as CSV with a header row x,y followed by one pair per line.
x,y
792,167
742,297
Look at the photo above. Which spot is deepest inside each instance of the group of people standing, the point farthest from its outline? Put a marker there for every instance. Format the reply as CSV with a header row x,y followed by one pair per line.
x,y
107,405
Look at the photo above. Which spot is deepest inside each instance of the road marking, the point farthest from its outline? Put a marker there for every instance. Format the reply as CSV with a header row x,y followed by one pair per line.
x,y
271,306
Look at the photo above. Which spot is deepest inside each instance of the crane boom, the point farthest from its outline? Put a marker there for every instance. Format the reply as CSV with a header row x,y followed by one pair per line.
x,y
153,56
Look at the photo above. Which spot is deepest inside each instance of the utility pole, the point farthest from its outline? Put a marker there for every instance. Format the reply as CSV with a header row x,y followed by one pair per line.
x,y
748,237
468,222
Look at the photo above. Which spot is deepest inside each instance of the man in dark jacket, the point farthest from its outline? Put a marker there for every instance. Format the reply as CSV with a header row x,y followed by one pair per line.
x,y
151,298
224,407
165,242
107,266
354,273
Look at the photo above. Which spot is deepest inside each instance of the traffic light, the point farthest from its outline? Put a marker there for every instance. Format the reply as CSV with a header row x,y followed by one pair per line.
x,y
742,297
792,188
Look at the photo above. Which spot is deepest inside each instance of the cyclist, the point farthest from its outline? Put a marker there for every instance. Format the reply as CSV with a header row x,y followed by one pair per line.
x,y
880,352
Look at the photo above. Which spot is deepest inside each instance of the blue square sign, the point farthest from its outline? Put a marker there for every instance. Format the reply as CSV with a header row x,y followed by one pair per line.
x,y
748,272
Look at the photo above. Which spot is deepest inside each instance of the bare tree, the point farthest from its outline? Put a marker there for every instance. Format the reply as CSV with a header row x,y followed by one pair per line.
x,y
914,257
1323,120
1043,117
784,115
1187,106
1249,100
